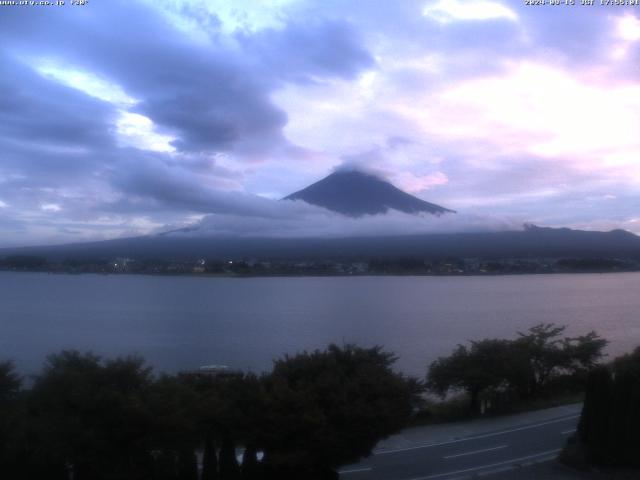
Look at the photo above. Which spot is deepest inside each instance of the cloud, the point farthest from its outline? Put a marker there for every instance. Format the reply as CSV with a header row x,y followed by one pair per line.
x,y
50,207
564,119
209,97
169,186
310,50
628,28
517,116
375,162
37,111
107,116
131,115
296,219
418,183
446,11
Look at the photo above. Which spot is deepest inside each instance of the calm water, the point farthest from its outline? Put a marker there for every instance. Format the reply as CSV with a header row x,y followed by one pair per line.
x,y
185,322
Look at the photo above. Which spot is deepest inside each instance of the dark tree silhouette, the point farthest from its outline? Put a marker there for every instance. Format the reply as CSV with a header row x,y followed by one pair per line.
x,y
610,421
250,466
187,465
522,368
209,459
229,467
90,416
596,412
10,383
11,420
98,419
329,408
484,365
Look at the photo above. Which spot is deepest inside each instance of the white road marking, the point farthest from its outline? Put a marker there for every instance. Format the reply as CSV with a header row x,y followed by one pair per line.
x,y
481,467
567,432
355,470
476,451
467,439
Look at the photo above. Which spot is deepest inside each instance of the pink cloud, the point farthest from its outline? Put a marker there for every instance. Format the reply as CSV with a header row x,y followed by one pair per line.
x,y
417,183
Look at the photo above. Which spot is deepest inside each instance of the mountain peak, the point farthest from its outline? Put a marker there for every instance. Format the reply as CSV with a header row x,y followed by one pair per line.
x,y
355,193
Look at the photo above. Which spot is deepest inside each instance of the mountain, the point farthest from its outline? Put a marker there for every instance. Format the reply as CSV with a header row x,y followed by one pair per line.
x,y
355,193
532,242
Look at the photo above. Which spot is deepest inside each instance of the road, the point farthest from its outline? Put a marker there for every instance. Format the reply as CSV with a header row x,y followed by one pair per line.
x,y
520,441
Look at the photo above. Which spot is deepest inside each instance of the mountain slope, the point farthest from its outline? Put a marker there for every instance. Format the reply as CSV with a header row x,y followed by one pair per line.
x,y
355,193
531,242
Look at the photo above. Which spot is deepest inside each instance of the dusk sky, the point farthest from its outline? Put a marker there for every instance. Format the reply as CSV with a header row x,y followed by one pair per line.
x,y
123,118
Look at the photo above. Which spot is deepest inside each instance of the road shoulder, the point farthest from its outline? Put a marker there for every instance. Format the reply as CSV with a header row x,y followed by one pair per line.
x,y
447,432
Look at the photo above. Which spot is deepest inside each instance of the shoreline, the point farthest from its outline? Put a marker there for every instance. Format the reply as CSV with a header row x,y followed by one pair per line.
x,y
327,275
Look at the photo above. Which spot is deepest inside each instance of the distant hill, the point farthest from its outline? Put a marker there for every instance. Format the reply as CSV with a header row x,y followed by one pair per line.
x,y
356,193
533,242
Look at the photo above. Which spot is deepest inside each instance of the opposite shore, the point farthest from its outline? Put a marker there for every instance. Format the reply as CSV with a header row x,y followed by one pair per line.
x,y
329,267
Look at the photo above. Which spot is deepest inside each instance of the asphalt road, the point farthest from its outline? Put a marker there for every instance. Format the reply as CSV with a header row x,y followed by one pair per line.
x,y
472,456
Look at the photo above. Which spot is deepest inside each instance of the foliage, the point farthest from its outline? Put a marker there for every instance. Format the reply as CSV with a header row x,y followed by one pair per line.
x,y
610,418
484,365
10,383
523,368
90,416
10,427
113,419
330,408
23,262
99,419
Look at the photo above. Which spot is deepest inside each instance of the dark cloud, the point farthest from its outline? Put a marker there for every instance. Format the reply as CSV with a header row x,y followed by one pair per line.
x,y
34,109
305,51
296,219
52,141
63,162
211,97
203,95
156,178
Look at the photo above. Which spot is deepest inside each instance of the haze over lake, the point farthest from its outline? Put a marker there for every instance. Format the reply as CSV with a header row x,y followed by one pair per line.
x,y
185,322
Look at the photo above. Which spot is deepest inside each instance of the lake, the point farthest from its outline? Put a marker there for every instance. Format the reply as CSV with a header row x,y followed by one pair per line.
x,y
184,322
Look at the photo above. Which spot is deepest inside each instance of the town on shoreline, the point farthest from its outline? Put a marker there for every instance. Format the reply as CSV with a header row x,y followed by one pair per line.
x,y
328,267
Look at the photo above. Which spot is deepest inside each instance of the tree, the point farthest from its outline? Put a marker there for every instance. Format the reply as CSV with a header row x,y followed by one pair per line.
x,y
521,368
546,355
329,408
250,465
241,420
187,464
584,351
593,426
541,346
479,368
224,411
10,383
90,415
625,415
11,420
610,419
229,468
209,459
174,403
24,262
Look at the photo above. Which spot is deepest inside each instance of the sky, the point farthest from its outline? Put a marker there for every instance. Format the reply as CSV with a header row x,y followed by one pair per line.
x,y
122,118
